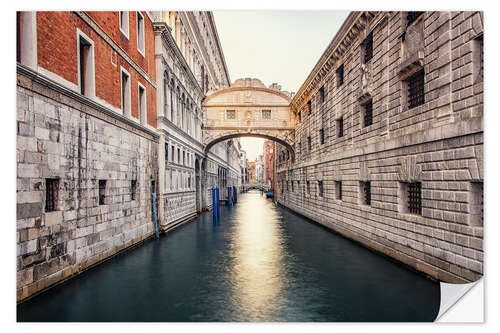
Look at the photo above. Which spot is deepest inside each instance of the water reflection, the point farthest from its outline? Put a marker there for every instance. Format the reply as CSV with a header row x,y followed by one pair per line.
x,y
257,265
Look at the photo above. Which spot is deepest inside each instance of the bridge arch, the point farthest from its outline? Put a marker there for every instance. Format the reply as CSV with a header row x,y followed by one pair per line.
x,y
249,108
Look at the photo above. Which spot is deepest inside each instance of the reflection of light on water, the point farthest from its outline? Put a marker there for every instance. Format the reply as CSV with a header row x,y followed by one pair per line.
x,y
258,254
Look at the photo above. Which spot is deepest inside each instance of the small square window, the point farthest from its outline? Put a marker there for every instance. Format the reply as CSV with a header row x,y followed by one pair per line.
x,y
230,114
266,114
338,190
51,194
102,191
365,192
340,127
340,75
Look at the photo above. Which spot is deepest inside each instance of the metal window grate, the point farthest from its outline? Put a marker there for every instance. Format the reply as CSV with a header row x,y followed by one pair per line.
x,y
320,187
366,188
368,45
416,89
368,117
230,114
412,17
102,191
340,75
415,198
133,187
51,194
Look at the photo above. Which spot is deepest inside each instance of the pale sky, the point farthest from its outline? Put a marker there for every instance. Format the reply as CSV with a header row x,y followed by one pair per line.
x,y
274,46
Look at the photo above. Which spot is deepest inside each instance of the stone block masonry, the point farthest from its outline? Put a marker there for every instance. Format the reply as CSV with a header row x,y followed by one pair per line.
x,y
68,139
414,148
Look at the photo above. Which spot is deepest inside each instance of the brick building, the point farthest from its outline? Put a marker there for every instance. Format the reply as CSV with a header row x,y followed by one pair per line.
x,y
389,139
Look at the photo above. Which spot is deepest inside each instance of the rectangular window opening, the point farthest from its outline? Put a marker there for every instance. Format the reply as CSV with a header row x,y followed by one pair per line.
x,y
125,85
340,127
142,104
368,48
412,17
340,75
85,64
416,89
133,188
368,113
230,114
411,198
476,204
102,191
140,33
266,114
365,191
124,23
322,95
338,190
320,188
51,194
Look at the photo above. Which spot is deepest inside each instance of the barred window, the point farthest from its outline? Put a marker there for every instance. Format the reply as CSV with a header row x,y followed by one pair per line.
x,y
133,188
266,114
340,127
321,136
368,113
368,48
51,194
102,191
412,17
230,114
413,193
365,190
416,89
320,188
340,75
338,190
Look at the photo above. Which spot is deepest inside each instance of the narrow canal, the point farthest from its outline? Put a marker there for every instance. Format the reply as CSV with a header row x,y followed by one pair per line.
x,y
259,263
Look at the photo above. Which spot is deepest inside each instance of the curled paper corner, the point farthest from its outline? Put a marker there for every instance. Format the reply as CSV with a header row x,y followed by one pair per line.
x,y
461,304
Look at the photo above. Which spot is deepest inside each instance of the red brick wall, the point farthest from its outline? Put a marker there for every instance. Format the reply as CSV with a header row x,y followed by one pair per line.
x,y
57,52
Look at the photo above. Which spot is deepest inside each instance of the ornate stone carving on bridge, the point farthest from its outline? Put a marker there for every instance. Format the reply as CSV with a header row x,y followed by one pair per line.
x,y
248,108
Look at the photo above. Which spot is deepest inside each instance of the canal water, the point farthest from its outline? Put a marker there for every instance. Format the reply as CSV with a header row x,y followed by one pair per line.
x,y
259,263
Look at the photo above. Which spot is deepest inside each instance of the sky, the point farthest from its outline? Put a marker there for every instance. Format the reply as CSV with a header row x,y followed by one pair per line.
x,y
274,46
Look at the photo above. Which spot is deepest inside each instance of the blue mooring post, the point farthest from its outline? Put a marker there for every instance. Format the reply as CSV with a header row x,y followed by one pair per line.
x,y
235,195
214,205
218,202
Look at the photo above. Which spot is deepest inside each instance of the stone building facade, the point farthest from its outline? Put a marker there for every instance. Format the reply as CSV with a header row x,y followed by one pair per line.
x,y
92,127
389,140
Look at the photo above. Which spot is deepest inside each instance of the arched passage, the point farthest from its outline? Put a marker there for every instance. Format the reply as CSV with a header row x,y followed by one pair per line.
x,y
227,136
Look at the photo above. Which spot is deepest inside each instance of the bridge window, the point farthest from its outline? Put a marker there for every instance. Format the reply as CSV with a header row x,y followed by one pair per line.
x,y
367,48
102,191
133,188
367,113
321,136
411,198
51,194
365,192
476,201
415,85
338,190
320,188
340,127
230,114
340,75
266,114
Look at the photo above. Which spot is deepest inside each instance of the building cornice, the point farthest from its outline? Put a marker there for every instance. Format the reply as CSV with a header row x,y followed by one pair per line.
x,y
332,56
233,89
